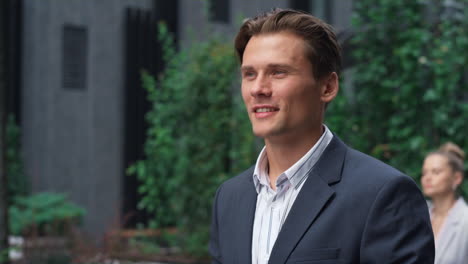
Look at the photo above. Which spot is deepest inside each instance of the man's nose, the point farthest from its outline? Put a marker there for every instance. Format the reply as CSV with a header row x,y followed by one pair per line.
x,y
261,87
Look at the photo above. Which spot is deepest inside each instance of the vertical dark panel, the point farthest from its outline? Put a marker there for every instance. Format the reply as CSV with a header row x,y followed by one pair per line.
x,y
142,52
3,177
325,11
167,12
303,5
12,19
74,56
132,140
10,58
219,10
328,16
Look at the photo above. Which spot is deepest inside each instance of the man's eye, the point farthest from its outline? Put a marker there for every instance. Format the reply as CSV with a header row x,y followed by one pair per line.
x,y
279,73
248,75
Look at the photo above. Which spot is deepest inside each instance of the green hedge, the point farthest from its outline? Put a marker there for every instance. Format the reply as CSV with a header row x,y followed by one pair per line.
x,y
198,137
43,214
17,182
409,95
410,81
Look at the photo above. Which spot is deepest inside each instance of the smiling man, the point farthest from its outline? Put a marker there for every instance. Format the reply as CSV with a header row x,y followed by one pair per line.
x,y
309,198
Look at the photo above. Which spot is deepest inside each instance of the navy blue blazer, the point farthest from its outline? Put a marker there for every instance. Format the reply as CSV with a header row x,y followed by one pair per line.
x,y
351,209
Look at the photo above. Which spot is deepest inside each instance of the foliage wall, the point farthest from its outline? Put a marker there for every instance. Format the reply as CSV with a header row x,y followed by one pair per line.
x,y
44,214
33,214
198,137
17,182
410,80
409,95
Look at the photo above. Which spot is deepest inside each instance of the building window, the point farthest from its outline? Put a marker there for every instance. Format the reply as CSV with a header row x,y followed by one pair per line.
x,y
322,9
74,60
301,5
318,8
219,11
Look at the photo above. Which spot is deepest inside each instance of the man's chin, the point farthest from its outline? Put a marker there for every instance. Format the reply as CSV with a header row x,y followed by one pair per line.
x,y
265,133
260,133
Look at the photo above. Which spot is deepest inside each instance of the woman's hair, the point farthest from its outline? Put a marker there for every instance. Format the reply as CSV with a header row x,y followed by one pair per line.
x,y
454,154
322,48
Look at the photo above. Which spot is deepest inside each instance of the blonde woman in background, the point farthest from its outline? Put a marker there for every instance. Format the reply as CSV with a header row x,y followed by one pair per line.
x,y
442,174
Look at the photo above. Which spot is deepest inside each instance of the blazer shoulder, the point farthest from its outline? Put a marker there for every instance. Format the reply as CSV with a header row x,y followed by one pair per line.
x,y
463,214
373,175
364,164
239,181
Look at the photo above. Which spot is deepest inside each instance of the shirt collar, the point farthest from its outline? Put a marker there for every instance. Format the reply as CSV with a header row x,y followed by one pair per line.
x,y
298,172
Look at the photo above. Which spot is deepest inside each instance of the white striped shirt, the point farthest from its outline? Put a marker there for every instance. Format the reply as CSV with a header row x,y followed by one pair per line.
x,y
273,206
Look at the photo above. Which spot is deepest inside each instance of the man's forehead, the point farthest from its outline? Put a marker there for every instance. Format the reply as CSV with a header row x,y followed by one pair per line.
x,y
283,38
277,44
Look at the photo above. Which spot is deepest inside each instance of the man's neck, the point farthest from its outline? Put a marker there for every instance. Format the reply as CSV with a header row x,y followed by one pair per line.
x,y
282,154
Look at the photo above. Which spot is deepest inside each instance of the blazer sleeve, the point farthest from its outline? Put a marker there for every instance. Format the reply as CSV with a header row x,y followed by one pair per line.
x,y
398,227
214,247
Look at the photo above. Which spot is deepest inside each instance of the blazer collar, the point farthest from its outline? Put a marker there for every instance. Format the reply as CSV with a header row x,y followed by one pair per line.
x,y
330,165
312,198
449,229
245,218
456,213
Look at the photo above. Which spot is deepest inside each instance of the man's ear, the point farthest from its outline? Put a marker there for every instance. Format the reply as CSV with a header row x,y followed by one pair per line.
x,y
458,178
329,87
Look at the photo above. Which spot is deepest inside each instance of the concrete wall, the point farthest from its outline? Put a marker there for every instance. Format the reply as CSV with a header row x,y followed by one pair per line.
x,y
196,26
72,139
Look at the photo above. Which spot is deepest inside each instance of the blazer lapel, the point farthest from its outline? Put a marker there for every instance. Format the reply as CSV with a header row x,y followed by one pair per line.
x,y
311,200
449,230
247,204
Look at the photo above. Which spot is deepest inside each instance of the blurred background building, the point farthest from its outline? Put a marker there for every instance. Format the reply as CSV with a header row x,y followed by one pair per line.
x,y
73,83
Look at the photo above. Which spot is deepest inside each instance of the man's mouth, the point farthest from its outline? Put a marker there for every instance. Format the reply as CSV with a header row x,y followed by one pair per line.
x,y
265,110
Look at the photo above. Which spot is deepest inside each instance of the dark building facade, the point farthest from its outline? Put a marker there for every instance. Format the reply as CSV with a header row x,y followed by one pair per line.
x,y
80,103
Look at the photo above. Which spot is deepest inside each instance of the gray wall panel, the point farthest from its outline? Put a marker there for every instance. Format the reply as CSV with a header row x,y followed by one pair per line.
x,y
72,140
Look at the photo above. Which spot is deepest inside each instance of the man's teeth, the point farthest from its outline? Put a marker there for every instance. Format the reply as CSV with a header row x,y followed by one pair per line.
x,y
263,110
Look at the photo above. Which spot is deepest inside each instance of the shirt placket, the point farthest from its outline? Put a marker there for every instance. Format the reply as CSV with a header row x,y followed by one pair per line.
x,y
274,218
264,245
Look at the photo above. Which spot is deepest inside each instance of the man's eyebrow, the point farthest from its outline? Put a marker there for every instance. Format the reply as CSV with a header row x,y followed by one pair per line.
x,y
246,68
271,65
280,65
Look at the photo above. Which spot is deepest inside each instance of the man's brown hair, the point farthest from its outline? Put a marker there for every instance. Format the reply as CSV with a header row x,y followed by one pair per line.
x,y
323,50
